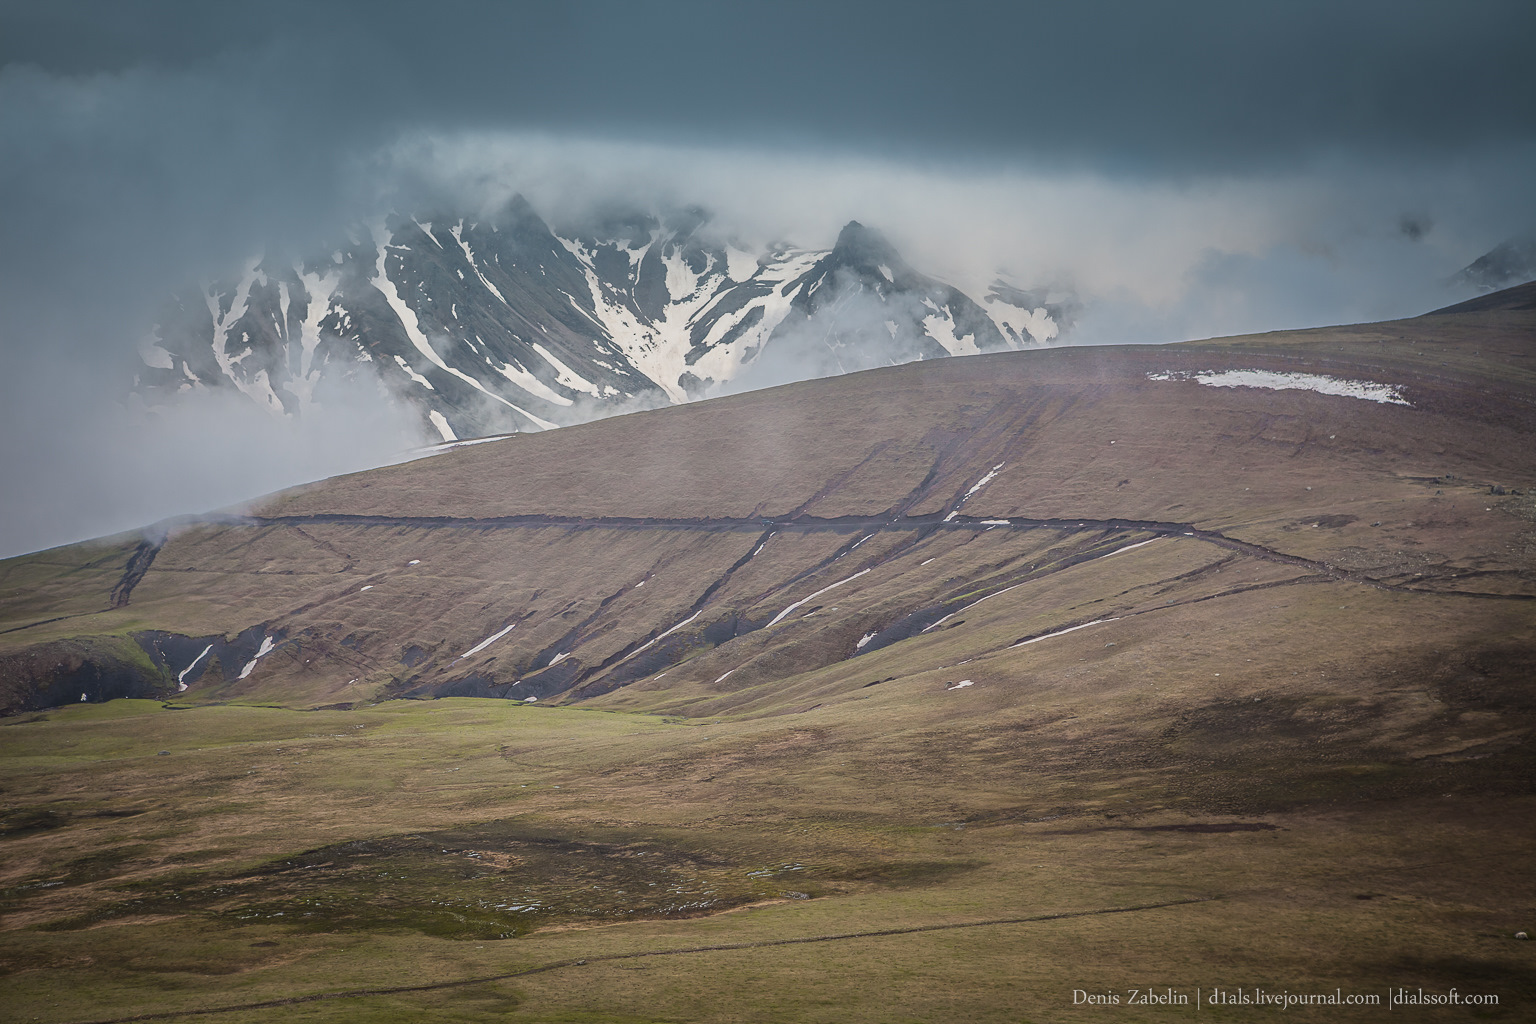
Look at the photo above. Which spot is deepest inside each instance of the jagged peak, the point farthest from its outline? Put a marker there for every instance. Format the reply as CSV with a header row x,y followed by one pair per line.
x,y
865,249
516,213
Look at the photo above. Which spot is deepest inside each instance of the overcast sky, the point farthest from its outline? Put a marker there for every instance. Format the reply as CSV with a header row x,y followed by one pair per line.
x,y
1190,168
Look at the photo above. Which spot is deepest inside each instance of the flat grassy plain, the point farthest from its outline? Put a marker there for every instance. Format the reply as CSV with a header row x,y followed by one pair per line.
x,y
273,854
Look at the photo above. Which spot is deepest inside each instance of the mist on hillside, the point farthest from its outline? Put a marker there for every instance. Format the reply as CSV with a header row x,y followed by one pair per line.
x,y
162,149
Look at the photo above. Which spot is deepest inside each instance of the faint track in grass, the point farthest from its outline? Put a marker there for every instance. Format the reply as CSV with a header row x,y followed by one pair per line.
x,y
437,986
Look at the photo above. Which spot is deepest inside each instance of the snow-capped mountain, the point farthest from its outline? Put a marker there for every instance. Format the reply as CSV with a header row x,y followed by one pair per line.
x,y
502,324
1511,262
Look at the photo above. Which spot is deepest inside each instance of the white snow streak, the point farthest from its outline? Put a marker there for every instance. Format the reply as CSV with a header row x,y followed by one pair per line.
x,y
777,618
261,652
181,677
483,644
441,423
564,374
320,289
391,295
230,355
1062,632
469,254
1130,547
1323,385
531,384
413,331
669,632
437,449
973,604
991,475
418,378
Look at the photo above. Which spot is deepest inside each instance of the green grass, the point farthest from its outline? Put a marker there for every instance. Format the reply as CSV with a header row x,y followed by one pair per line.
x,y
257,812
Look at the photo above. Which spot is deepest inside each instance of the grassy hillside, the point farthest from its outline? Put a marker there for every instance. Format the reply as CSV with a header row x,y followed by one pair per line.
x,y
940,692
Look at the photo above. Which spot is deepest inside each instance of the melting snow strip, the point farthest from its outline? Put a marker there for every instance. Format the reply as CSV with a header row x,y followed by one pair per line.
x,y
669,632
777,618
866,638
1323,385
1005,590
973,604
722,678
450,444
984,480
441,423
418,378
1062,632
181,677
262,652
962,684
483,644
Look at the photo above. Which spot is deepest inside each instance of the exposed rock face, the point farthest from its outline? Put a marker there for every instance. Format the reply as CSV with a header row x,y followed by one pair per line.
x,y
503,324
85,669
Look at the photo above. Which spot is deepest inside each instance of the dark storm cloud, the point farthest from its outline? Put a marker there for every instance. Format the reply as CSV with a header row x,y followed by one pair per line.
x,y
1135,84
145,144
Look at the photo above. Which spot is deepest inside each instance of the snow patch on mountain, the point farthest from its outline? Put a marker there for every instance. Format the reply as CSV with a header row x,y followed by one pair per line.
x,y
502,323
1370,391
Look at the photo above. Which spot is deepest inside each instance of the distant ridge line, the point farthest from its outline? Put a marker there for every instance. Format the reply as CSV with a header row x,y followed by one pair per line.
x,y
1518,297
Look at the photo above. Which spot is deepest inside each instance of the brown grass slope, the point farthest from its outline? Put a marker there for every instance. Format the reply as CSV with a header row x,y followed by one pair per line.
x,y
988,639
670,542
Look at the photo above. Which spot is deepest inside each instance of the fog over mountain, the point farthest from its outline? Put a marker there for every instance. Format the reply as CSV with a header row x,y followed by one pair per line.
x,y
1159,174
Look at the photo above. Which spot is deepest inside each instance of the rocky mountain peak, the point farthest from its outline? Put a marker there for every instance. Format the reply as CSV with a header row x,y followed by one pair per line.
x,y
864,249
501,322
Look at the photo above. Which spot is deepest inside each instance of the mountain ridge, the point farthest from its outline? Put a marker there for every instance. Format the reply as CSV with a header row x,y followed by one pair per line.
x,y
504,324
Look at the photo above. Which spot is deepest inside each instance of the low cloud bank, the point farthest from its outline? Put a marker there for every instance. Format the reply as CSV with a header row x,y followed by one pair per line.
x,y
90,463
1153,258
